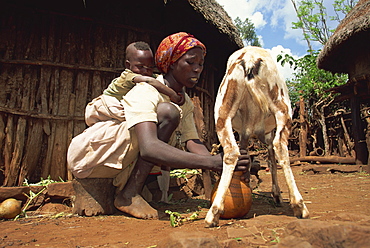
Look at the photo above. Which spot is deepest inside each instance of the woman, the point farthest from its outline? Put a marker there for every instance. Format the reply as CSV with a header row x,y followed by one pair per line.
x,y
127,144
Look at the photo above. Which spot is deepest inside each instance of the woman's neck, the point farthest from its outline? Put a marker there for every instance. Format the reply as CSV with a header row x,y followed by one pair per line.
x,y
171,82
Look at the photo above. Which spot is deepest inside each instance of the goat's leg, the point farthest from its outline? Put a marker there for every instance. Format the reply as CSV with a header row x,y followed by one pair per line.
x,y
231,154
280,144
276,193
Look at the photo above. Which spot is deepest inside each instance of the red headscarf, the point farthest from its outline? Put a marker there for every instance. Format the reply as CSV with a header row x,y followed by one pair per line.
x,y
173,47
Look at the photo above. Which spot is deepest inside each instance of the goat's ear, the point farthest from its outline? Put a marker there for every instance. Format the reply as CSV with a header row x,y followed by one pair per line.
x,y
252,72
256,66
246,71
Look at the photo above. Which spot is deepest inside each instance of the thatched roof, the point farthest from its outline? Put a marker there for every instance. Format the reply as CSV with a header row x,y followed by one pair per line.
x,y
352,35
215,14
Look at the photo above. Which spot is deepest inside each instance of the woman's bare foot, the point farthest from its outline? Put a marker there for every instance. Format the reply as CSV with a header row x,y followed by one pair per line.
x,y
135,206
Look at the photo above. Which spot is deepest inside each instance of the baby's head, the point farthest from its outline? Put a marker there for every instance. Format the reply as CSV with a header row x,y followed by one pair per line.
x,y
139,58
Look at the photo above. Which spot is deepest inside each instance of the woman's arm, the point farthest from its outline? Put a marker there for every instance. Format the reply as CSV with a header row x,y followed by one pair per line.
x,y
155,151
197,146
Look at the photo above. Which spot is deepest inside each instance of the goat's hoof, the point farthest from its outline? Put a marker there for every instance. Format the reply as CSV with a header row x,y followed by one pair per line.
x,y
212,221
300,211
211,224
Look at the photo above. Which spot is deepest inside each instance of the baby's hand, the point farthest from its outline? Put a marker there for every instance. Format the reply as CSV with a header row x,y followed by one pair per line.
x,y
178,98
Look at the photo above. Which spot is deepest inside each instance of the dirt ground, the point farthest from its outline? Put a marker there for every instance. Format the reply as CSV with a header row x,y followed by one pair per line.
x,y
327,195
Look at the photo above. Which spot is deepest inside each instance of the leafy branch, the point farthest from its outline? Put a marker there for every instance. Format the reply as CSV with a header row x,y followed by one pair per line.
x,y
176,219
31,196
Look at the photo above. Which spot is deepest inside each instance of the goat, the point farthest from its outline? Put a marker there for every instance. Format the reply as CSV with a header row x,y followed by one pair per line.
x,y
253,100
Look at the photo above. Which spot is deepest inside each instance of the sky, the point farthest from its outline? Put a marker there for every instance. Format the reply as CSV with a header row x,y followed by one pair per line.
x,y
272,20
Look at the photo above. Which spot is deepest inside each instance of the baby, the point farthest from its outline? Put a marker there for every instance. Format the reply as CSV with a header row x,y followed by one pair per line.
x,y
139,68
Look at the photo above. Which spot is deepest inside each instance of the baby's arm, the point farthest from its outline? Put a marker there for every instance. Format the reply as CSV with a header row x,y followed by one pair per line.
x,y
174,97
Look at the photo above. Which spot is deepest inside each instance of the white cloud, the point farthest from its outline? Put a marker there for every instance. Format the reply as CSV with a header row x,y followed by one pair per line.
x,y
257,20
288,16
285,70
276,15
260,39
281,14
237,8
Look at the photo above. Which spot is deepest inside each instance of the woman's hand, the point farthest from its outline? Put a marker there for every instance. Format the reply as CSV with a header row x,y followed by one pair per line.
x,y
244,162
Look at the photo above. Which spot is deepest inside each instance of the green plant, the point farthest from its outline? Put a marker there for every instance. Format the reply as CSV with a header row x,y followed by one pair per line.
x,y
363,173
30,198
32,195
309,81
176,219
42,182
182,173
276,238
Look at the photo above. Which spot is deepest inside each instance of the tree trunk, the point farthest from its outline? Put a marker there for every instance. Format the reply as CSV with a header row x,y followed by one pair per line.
x,y
367,119
358,133
324,130
303,124
94,196
327,159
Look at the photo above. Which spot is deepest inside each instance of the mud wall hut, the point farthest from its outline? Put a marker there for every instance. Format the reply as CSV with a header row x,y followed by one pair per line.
x,y
347,51
56,56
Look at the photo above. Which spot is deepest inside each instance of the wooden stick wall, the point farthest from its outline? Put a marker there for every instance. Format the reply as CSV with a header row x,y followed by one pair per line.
x,y
51,66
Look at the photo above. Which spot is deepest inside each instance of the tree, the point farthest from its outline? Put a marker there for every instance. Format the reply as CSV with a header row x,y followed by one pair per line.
x,y
247,32
314,20
342,7
310,82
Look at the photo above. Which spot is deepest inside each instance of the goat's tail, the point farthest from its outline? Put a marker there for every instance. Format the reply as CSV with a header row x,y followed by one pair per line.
x,y
253,82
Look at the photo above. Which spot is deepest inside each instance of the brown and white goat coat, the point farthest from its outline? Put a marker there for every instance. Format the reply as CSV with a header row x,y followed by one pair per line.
x,y
253,100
